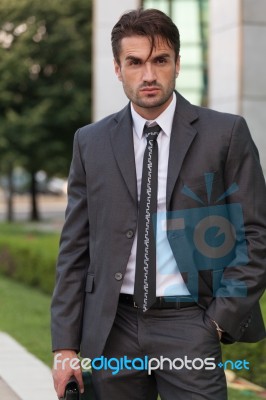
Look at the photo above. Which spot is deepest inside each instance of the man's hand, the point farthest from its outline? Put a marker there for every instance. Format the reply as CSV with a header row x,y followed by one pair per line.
x,y
66,364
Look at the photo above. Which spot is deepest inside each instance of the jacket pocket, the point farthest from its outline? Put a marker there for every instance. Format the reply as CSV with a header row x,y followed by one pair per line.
x,y
89,283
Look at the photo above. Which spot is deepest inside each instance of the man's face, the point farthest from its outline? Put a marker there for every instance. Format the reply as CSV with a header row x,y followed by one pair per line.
x,y
148,79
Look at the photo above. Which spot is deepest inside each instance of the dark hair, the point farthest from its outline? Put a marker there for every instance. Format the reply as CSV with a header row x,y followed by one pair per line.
x,y
151,23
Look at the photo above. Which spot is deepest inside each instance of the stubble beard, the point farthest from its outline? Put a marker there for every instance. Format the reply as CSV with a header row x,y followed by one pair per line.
x,y
150,101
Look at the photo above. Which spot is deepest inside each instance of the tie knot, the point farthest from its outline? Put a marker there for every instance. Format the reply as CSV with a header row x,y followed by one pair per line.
x,y
151,132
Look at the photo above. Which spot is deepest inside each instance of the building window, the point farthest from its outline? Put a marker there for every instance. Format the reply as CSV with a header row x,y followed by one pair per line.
x,y
191,18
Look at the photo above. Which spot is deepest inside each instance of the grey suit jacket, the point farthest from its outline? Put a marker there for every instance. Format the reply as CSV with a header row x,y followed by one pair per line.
x,y
101,220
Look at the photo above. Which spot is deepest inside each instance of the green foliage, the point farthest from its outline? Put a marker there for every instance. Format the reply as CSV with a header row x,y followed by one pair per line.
x,y
29,256
254,353
45,75
242,395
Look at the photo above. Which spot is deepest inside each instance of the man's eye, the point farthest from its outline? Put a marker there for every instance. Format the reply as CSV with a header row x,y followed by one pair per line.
x,y
134,62
161,60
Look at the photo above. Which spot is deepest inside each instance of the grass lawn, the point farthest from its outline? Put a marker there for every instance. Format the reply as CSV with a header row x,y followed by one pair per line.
x,y
25,315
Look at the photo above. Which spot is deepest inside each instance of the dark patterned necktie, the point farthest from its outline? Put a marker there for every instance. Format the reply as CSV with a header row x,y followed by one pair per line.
x,y
145,277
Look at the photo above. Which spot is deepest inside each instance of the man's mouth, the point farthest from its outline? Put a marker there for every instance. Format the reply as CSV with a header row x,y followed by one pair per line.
x,y
150,90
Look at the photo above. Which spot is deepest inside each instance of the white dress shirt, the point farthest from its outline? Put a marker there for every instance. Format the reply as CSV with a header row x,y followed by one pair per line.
x,y
169,281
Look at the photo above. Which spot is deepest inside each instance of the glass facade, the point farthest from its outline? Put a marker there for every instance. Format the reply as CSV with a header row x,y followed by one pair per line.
x,y
191,18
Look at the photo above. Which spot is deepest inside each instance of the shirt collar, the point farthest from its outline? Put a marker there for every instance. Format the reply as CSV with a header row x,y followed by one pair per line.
x,y
165,120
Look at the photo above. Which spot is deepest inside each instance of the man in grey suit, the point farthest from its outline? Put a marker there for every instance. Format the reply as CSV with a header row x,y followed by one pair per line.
x,y
206,235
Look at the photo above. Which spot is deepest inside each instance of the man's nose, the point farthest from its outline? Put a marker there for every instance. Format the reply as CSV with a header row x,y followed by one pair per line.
x,y
149,74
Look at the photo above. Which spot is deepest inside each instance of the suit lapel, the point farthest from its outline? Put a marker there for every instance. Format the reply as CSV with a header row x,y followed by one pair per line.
x,y
123,148
182,136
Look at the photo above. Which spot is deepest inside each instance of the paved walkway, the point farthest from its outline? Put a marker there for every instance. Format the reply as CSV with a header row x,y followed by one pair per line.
x,y
22,375
6,392
50,207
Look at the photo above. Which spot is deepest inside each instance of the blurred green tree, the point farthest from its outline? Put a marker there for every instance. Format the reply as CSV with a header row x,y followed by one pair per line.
x,y
45,84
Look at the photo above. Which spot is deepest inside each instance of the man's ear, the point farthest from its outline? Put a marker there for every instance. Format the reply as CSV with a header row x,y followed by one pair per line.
x,y
177,66
117,70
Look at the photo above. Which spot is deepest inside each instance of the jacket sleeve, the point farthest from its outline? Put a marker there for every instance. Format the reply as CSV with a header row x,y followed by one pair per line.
x,y
73,261
243,284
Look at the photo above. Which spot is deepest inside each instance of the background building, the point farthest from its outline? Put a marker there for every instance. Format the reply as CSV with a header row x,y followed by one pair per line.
x,y
223,48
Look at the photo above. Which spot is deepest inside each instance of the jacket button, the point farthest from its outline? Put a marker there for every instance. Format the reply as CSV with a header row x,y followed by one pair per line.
x,y
118,276
130,234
